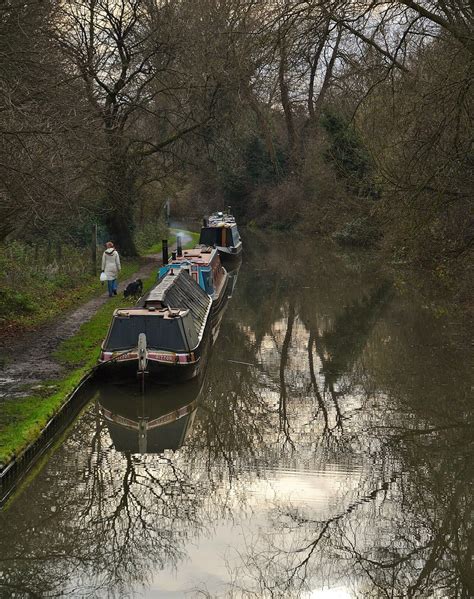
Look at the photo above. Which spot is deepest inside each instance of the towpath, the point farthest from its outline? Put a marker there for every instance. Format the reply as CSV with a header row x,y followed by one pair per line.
x,y
28,360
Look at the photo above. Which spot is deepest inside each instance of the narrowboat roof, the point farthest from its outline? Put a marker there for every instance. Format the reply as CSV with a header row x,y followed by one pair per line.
x,y
219,219
147,311
173,297
200,255
175,294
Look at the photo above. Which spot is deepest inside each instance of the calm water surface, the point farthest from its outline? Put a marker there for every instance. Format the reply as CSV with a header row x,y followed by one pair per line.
x,y
326,454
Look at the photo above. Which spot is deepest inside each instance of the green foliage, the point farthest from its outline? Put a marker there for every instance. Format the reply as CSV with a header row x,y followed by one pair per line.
x,y
12,302
149,235
256,170
81,232
259,166
349,155
419,126
38,282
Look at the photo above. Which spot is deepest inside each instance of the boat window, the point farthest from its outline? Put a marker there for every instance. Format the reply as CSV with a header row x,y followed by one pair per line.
x,y
207,281
235,236
210,236
160,333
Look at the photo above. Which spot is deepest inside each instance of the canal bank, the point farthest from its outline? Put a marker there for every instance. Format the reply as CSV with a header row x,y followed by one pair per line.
x,y
50,364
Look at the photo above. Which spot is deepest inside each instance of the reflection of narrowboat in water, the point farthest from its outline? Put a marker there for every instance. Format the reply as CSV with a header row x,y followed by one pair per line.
x,y
160,419
164,335
233,273
220,231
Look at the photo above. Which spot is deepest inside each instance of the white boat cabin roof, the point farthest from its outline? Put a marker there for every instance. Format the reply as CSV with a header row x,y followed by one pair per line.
x,y
219,219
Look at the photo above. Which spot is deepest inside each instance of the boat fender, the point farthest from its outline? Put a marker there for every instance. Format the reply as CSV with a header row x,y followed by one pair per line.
x,y
142,353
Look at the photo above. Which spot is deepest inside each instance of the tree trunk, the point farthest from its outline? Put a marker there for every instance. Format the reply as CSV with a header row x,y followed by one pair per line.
x,y
120,198
118,224
286,102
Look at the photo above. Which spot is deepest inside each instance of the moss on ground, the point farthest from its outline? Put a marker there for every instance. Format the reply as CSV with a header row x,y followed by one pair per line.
x,y
22,419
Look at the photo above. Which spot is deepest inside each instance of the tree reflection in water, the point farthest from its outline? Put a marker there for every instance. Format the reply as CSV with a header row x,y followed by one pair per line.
x,y
112,522
335,449
410,536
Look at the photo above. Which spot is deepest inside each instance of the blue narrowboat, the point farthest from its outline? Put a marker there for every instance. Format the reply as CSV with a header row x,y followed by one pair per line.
x,y
203,265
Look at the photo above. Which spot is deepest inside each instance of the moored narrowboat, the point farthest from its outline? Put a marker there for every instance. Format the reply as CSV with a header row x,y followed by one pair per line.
x,y
220,231
163,336
204,266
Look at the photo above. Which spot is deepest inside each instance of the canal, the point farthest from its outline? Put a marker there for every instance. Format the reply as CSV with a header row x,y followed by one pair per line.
x,y
326,453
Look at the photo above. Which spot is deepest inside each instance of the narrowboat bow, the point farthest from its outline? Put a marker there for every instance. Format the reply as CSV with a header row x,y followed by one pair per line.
x,y
164,335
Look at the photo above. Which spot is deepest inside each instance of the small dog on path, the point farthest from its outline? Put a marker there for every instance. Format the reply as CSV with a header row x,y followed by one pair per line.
x,y
134,289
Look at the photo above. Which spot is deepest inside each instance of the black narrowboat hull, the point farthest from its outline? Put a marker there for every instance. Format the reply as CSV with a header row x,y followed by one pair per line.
x,y
166,367
160,372
230,254
173,341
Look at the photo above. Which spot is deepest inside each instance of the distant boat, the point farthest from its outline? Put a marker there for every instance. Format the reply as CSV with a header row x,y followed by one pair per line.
x,y
164,335
220,231
204,266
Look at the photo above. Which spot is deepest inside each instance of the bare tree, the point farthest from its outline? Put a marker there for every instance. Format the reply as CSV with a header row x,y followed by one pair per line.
x,y
126,54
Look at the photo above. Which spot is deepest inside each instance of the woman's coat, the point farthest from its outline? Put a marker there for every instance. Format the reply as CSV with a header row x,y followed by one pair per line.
x,y
111,263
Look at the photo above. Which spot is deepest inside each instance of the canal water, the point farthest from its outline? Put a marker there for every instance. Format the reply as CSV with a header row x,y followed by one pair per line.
x,y
326,453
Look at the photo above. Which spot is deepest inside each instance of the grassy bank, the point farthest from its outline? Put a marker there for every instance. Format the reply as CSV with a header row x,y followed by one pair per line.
x,y
41,292
22,419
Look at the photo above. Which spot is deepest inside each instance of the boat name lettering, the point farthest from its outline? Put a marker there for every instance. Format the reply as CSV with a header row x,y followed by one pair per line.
x,y
127,356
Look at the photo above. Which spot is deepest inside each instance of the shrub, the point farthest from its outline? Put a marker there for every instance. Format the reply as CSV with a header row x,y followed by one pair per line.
x,y
31,275
13,302
150,234
359,232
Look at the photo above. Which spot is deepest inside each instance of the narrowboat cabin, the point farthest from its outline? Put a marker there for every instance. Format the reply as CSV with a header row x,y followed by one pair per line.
x,y
163,336
203,265
220,231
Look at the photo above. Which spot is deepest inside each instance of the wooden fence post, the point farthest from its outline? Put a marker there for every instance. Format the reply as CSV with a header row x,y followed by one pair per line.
x,y
94,249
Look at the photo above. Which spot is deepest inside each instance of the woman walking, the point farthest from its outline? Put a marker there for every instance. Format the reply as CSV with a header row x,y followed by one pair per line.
x,y
111,267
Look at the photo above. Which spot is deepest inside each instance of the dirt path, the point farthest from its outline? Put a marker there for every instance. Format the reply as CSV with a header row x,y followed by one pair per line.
x,y
28,360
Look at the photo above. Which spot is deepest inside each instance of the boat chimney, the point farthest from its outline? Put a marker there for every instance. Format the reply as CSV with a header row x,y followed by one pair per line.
x,y
229,209
204,222
179,246
164,246
173,255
